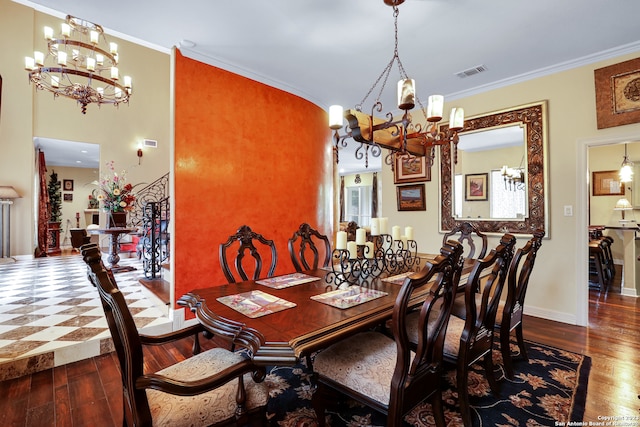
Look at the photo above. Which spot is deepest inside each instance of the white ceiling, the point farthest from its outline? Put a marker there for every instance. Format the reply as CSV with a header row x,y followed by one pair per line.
x,y
331,51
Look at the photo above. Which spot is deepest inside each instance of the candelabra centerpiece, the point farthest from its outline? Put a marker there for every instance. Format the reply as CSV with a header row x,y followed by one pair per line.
x,y
363,260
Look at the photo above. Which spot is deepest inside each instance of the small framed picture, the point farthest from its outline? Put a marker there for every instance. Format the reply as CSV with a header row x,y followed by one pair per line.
x,y
411,198
607,183
410,169
476,186
67,184
67,197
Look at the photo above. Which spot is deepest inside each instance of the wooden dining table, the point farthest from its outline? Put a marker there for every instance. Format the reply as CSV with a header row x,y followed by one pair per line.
x,y
311,325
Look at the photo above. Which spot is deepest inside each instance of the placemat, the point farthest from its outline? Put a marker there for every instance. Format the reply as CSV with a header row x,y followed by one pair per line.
x,y
287,280
255,303
348,298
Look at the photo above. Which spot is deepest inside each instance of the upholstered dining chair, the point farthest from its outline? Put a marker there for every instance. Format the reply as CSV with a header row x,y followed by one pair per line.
x,y
383,372
215,387
247,240
307,242
469,336
464,233
510,310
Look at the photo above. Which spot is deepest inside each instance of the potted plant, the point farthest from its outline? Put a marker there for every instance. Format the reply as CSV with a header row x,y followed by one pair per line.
x,y
55,214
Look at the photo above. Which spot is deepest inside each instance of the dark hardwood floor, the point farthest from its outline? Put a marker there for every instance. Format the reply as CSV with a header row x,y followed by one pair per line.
x,y
88,393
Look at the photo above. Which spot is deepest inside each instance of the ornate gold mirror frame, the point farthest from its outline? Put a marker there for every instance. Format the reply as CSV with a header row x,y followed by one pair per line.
x,y
533,119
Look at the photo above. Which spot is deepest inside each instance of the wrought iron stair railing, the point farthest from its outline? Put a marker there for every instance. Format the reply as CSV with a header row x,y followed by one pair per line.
x,y
152,216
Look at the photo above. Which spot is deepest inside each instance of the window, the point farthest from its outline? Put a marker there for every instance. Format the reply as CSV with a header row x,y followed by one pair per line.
x,y
358,205
505,202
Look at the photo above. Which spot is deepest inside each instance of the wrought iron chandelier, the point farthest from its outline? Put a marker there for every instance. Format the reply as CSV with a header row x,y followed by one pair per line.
x,y
400,136
82,65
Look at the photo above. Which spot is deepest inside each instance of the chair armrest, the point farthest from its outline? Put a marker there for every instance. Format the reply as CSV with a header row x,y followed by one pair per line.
x,y
171,336
191,388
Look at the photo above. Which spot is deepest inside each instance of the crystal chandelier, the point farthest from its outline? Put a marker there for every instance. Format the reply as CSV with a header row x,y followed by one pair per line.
x,y
400,136
82,65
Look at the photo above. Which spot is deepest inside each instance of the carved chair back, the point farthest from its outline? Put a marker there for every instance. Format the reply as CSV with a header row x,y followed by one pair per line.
x,y
473,338
517,283
247,241
466,232
128,345
307,242
416,377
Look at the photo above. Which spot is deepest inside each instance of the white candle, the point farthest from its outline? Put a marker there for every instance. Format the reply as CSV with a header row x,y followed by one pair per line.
x,y
341,240
404,242
395,232
361,236
127,81
66,29
48,33
408,231
375,226
29,63
435,107
55,81
94,37
113,47
336,116
114,73
353,250
38,57
456,119
384,225
368,250
62,58
91,64
406,94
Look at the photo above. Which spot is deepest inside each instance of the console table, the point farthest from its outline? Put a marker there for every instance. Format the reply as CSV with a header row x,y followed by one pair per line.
x,y
114,247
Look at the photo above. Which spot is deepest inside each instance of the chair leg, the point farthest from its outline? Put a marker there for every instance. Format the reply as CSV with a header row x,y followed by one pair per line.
x,y
196,344
463,394
438,409
490,373
317,401
523,348
505,349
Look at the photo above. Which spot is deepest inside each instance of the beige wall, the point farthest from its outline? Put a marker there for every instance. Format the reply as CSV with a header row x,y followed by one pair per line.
x,y
553,287
27,114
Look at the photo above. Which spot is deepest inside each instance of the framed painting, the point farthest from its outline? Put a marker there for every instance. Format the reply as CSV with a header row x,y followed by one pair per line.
x,y
607,183
67,184
68,197
411,198
618,94
410,169
475,187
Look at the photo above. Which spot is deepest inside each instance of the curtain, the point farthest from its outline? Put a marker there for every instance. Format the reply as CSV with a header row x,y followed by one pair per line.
x,y
342,199
374,196
43,208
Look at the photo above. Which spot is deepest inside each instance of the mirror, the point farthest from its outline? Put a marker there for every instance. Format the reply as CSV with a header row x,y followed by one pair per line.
x,y
515,138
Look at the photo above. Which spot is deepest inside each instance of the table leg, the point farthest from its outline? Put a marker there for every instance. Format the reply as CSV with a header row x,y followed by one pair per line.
x,y
114,256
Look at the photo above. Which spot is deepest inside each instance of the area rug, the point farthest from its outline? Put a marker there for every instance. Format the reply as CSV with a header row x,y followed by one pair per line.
x,y
551,387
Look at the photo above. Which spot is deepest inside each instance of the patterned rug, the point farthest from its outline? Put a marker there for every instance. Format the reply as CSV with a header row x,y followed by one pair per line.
x,y
551,387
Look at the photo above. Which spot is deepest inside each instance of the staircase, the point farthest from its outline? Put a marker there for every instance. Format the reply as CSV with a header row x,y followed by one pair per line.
x,y
152,215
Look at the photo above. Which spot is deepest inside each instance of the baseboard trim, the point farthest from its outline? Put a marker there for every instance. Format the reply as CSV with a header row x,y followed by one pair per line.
x,y
556,316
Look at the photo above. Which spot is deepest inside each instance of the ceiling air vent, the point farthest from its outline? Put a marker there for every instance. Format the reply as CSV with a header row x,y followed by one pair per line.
x,y
471,71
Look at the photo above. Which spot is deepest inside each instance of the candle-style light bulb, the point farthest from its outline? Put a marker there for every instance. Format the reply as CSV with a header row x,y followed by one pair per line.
x,y
435,106
406,94
336,116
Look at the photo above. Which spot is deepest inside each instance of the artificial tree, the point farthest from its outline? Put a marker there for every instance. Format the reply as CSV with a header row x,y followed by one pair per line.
x,y
55,214
55,198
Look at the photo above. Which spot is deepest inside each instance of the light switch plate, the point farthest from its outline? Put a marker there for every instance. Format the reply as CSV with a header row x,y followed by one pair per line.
x,y
568,210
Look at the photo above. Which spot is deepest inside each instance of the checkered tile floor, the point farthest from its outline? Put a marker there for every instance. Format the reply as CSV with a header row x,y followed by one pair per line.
x,y
50,314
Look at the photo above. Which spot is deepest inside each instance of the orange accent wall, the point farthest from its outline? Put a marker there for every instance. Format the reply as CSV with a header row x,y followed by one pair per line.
x,y
245,153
